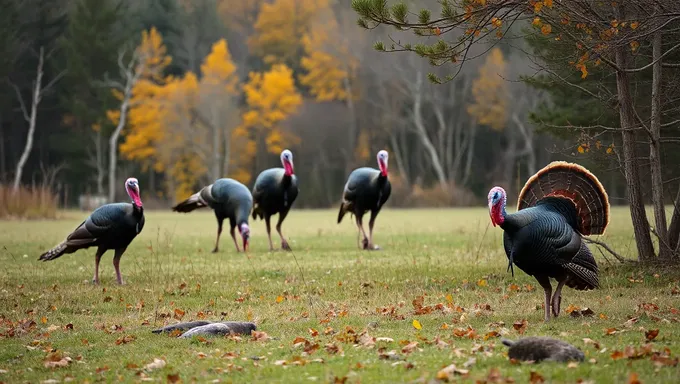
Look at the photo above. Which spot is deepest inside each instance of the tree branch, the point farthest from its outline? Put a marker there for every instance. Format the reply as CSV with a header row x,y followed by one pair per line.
x,y
605,246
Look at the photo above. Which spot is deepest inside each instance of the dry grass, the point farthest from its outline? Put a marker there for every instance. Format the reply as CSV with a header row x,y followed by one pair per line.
x,y
447,256
29,202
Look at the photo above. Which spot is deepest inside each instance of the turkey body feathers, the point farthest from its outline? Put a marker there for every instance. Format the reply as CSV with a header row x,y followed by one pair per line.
x,y
227,197
366,190
111,226
274,192
542,241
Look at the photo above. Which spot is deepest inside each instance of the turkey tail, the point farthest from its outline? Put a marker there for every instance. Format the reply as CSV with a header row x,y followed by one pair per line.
x,y
194,201
582,270
508,343
342,212
573,182
54,253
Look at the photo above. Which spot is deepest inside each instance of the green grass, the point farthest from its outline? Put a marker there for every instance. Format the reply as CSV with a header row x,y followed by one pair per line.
x,y
326,283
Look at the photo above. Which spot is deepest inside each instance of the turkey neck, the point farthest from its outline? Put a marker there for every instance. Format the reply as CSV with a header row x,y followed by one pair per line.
x,y
137,211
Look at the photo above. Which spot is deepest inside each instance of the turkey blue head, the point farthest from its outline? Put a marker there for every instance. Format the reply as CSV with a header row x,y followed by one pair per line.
x,y
497,200
382,162
132,188
245,235
287,161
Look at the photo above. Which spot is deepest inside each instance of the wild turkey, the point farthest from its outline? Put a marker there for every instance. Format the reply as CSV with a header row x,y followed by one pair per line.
x,y
558,205
111,226
230,200
367,189
274,192
538,349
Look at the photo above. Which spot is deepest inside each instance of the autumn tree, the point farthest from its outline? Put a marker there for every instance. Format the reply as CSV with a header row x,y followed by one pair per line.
x,y
144,67
280,28
270,98
612,35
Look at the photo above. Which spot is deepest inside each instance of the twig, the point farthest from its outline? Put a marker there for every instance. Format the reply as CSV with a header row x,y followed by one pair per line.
x,y
605,246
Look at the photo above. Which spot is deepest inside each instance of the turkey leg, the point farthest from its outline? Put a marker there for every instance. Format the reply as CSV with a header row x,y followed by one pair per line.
x,y
545,283
97,258
371,222
267,222
219,232
557,298
284,243
233,236
363,244
116,264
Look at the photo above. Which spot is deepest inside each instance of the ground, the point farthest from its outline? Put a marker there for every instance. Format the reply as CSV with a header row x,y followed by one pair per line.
x,y
440,281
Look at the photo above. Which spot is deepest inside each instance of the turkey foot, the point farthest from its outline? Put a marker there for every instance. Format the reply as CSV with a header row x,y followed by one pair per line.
x,y
373,247
215,250
95,281
364,243
285,246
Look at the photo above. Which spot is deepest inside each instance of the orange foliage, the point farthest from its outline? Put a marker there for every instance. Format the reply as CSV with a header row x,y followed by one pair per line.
x,y
271,98
490,92
280,26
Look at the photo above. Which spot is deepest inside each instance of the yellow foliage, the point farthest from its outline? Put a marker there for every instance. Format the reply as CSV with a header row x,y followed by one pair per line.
x,y
328,62
280,26
490,92
219,69
271,97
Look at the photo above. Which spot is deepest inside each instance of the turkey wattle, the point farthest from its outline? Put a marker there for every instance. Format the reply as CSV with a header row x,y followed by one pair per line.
x,y
557,206
274,192
367,189
111,226
230,200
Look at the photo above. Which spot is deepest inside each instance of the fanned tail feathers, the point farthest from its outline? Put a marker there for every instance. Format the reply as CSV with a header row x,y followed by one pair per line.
x,y
54,253
194,201
573,182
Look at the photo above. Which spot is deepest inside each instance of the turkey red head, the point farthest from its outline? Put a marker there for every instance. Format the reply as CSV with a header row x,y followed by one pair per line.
x,y
287,161
497,200
382,162
245,235
132,188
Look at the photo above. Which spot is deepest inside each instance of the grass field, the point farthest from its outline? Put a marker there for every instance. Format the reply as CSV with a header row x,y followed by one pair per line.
x,y
327,292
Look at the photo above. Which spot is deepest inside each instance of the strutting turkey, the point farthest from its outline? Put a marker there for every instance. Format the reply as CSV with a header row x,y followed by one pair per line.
x,y
367,189
230,200
558,205
111,226
274,192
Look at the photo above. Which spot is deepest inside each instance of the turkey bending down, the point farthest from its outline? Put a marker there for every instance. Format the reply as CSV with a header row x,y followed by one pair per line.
x,y
274,192
367,189
558,205
230,200
111,226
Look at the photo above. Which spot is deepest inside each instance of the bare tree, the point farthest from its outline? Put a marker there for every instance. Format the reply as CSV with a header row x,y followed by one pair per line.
x,y
31,118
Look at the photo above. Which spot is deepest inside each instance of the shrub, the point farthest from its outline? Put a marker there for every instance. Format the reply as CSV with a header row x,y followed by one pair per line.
x,y
417,196
29,202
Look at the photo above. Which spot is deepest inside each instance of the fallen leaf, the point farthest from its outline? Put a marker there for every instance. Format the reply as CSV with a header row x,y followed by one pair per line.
x,y
633,378
43,320
520,326
585,312
491,334
56,360
535,378
651,334
173,378
416,324
447,373
179,314
99,370
279,298
610,331
52,328
482,283
410,347
313,332
155,364
125,339
593,342
617,355
572,364
69,327
260,336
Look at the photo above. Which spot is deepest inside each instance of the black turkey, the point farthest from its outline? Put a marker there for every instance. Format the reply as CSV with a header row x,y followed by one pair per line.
x,y
230,200
274,192
111,226
557,206
367,189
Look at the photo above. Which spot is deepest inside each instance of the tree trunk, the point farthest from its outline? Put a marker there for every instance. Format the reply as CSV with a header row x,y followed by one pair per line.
x,y
422,133
655,150
352,131
3,170
216,155
101,167
638,215
113,141
674,228
31,122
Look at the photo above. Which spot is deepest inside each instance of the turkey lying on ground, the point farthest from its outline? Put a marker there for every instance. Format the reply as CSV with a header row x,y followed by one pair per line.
x,y
111,226
557,206
542,348
274,192
367,189
207,328
230,200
